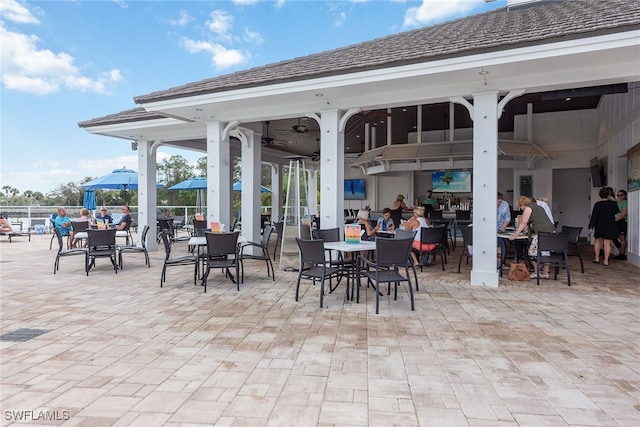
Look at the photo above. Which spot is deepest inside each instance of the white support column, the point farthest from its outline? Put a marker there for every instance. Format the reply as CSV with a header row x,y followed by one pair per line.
x,y
147,191
218,174
276,191
485,188
251,168
331,170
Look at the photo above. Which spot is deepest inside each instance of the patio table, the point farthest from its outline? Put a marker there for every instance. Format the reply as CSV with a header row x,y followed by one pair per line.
x,y
354,249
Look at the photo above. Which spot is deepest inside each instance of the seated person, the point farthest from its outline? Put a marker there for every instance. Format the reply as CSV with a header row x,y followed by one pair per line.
x,y
104,216
84,216
415,223
363,219
63,223
385,223
126,219
5,226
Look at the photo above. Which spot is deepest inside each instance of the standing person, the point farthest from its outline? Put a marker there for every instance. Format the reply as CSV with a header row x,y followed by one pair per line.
x,y
430,200
603,225
503,220
533,216
104,216
396,210
621,221
385,223
542,202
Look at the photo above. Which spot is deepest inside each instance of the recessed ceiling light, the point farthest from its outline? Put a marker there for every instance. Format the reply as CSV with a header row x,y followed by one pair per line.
x,y
198,109
567,99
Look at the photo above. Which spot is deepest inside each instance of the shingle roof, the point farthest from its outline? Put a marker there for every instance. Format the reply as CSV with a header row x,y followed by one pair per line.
x,y
127,116
508,28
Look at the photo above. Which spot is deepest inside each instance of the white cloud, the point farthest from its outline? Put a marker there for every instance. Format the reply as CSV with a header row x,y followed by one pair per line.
x,y
431,11
221,23
46,164
182,20
221,57
101,166
340,19
252,36
121,3
245,2
278,4
27,67
15,12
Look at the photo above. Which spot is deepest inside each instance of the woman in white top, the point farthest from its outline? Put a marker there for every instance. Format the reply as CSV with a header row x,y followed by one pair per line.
x,y
415,223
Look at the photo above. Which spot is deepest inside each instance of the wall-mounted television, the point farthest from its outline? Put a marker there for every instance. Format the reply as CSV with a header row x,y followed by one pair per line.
x,y
354,189
597,173
452,181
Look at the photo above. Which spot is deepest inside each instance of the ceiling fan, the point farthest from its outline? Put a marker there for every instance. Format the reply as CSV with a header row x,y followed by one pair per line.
x,y
267,140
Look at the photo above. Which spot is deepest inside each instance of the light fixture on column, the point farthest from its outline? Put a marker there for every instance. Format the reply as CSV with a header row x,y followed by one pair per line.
x,y
134,145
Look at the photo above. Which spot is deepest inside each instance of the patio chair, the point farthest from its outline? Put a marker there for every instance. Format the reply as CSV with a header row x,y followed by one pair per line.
x,y
431,236
408,234
391,255
556,244
78,227
467,241
333,235
136,249
574,238
101,244
222,252
62,252
312,255
183,260
262,256
279,227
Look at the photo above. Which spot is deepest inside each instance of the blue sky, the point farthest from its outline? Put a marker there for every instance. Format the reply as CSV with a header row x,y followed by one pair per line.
x,y
68,61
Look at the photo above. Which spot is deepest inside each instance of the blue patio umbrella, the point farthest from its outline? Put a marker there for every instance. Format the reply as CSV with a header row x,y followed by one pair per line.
x,y
237,186
198,183
89,200
118,179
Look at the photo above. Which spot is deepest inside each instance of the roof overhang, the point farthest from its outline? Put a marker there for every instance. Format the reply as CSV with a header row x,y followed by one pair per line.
x,y
589,61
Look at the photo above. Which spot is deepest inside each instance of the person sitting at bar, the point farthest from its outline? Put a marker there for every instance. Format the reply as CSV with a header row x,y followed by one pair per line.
x,y
385,223
396,210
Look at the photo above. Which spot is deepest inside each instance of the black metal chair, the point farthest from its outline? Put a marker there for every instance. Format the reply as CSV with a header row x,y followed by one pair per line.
x,y
222,252
409,234
136,249
62,252
467,241
262,256
101,244
554,246
183,260
431,236
435,214
574,238
78,227
448,241
333,235
391,254
312,255
279,227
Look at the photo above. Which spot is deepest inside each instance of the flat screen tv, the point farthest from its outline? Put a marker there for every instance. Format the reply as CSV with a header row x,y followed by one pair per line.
x,y
451,181
354,189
